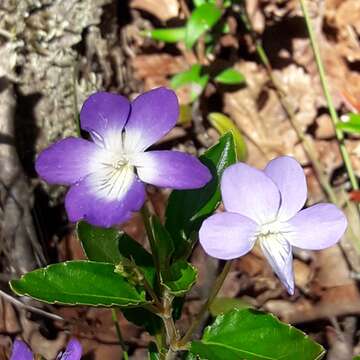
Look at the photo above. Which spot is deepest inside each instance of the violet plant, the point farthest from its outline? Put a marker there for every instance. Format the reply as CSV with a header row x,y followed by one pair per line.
x,y
107,174
270,214
107,179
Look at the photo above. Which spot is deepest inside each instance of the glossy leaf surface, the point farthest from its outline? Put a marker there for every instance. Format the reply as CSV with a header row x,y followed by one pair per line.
x,y
230,76
202,19
79,283
254,335
224,124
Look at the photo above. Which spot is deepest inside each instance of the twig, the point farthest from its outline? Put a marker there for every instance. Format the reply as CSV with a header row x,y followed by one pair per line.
x,y
118,333
6,34
33,309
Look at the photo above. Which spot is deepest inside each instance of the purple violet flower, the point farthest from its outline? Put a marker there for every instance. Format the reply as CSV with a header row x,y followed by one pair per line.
x,y
265,206
21,351
106,175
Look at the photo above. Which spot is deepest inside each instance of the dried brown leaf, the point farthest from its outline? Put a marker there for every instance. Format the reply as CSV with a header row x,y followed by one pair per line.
x,y
162,9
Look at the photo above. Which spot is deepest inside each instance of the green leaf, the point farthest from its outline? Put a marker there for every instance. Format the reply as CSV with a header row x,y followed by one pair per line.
x,y
193,77
79,283
253,335
177,305
230,76
186,77
164,246
188,208
202,19
144,318
198,3
351,125
224,124
133,251
222,305
179,278
356,357
99,244
153,352
112,246
185,115
167,35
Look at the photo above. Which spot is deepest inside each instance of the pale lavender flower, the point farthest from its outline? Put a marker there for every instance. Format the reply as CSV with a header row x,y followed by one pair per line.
x,y
21,351
265,206
106,175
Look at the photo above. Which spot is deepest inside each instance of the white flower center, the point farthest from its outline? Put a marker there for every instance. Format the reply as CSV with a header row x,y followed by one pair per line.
x,y
271,231
114,177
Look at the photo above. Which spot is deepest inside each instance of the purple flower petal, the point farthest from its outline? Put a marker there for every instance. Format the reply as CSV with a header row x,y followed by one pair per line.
x,y
172,169
21,351
278,253
227,235
153,114
249,192
86,200
67,161
104,114
73,351
317,227
290,179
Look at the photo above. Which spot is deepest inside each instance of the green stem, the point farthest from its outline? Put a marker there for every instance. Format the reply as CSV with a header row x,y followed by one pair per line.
x,y
324,83
146,219
148,288
118,333
171,332
214,291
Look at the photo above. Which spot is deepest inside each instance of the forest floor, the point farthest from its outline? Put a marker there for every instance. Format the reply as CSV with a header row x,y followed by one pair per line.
x,y
108,51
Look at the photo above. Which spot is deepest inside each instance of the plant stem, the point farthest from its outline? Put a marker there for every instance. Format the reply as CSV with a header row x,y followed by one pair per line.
x,y
169,325
147,286
214,291
324,83
118,333
146,219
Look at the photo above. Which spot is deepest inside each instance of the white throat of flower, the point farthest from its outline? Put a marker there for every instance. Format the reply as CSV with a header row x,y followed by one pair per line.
x,y
272,237
114,174
270,230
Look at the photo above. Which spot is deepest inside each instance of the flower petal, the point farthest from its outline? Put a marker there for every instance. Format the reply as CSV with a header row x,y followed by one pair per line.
x,y
104,114
67,161
289,177
278,253
73,351
227,235
317,227
86,200
249,192
172,169
153,114
21,351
